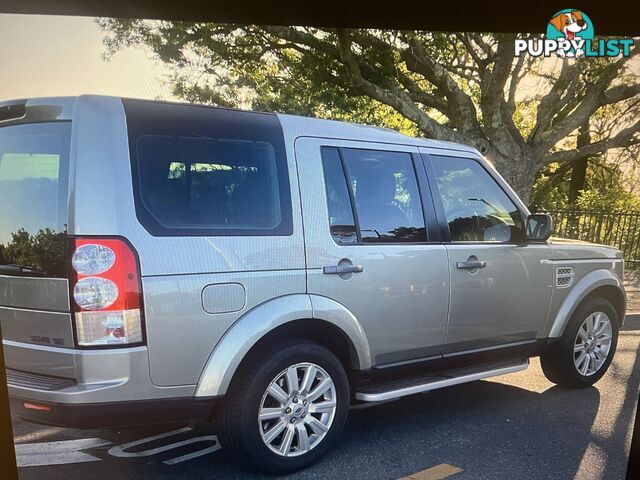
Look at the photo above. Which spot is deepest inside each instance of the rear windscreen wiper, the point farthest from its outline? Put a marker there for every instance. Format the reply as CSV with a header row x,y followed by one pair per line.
x,y
12,269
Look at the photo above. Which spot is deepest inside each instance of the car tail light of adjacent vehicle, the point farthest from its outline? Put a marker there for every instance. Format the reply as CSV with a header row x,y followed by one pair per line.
x,y
106,293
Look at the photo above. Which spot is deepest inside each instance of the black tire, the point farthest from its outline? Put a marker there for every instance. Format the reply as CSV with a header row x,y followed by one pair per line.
x,y
239,429
558,362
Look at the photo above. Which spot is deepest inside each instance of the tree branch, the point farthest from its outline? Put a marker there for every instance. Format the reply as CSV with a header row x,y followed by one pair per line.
x,y
513,83
479,61
495,111
550,104
394,98
624,138
462,111
619,93
589,104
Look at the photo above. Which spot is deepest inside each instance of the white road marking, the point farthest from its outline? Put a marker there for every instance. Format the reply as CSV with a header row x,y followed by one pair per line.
x,y
120,450
197,454
57,453
70,451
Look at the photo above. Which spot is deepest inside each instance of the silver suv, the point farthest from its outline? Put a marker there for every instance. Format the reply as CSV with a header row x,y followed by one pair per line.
x,y
163,262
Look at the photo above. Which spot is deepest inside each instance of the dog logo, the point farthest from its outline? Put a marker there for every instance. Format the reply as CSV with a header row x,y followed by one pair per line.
x,y
573,26
570,34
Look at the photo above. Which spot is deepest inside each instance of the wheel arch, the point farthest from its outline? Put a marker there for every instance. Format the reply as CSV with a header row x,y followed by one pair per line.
x,y
304,316
597,283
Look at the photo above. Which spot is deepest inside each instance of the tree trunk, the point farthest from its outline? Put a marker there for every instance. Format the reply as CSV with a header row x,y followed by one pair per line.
x,y
579,170
519,172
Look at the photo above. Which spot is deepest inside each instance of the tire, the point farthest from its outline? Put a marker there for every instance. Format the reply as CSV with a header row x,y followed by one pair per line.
x,y
241,433
561,364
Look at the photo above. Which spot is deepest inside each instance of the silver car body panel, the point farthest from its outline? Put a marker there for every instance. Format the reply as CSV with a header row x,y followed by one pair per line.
x,y
102,376
506,301
177,321
594,266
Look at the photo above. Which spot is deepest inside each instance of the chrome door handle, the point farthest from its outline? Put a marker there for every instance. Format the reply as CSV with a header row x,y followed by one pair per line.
x,y
341,269
471,264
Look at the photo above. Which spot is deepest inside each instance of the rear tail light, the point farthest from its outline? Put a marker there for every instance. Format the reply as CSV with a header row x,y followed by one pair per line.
x,y
106,292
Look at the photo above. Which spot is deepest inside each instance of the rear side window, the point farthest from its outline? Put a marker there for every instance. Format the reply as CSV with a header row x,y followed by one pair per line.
x,y
384,188
208,171
33,197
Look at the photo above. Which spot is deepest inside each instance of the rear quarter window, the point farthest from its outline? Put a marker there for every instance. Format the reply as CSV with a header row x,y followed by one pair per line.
x,y
208,171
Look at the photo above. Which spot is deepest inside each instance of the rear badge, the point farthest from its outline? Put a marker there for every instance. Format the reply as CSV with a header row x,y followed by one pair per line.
x,y
46,340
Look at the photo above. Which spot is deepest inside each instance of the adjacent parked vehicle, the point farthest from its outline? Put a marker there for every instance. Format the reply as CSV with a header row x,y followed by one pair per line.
x,y
168,262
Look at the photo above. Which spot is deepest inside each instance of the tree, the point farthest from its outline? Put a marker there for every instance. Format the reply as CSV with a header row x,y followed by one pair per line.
x,y
463,87
598,182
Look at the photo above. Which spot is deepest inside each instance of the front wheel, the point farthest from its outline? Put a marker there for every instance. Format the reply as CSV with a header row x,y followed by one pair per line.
x,y
287,408
584,352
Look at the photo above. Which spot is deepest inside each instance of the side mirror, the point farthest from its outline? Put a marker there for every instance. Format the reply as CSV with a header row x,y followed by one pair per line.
x,y
539,227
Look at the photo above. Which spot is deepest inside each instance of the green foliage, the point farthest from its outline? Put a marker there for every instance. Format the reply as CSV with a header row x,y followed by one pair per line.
x,y
242,66
465,87
43,251
604,190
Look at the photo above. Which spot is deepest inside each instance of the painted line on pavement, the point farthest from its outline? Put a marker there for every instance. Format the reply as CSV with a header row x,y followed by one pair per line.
x,y
57,453
70,451
434,473
191,456
120,450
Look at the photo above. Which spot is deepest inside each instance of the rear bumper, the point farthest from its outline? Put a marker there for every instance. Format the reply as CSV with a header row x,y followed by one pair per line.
x,y
94,388
117,414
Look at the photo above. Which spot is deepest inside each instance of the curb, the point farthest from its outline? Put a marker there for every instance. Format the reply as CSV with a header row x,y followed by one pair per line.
x,y
632,316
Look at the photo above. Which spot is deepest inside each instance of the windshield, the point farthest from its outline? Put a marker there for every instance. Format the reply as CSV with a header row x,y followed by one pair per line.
x,y
33,197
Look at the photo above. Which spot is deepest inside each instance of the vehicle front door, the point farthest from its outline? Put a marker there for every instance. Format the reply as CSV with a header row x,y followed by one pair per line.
x,y
500,289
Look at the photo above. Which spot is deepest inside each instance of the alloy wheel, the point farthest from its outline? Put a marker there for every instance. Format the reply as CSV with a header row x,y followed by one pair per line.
x,y
593,343
297,409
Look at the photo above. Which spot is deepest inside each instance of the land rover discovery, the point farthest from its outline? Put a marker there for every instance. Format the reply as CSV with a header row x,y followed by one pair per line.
x,y
165,261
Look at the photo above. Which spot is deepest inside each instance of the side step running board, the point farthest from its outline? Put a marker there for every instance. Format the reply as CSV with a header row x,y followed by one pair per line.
x,y
425,384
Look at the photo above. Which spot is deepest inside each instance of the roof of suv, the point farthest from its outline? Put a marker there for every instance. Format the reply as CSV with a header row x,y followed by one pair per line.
x,y
61,108
298,126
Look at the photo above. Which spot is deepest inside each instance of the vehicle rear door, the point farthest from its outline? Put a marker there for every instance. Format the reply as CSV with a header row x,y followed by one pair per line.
x,y
34,294
372,244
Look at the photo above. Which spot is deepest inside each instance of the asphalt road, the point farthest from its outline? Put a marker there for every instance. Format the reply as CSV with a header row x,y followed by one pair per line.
x,y
515,426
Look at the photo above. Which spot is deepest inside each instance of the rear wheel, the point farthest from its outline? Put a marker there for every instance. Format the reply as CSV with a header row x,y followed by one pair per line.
x,y
287,408
585,351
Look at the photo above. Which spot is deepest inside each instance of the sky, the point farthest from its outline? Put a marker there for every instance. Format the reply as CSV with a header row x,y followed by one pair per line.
x,y
56,55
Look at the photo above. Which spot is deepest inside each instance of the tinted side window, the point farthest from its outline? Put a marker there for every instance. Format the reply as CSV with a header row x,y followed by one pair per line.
x,y
341,219
385,189
477,208
208,171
